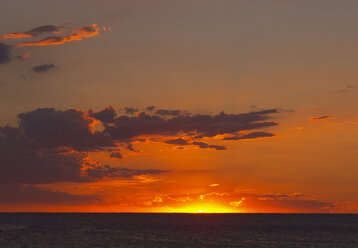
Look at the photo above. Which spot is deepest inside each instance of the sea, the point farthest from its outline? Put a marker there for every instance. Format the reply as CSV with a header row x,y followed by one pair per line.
x,y
177,230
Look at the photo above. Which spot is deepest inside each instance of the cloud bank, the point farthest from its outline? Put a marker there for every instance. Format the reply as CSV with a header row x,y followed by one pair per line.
x,y
52,146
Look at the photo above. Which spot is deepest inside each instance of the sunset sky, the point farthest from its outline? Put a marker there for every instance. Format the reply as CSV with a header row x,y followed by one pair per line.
x,y
179,106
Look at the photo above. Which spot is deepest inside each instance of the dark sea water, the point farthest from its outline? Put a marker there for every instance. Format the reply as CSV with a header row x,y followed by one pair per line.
x,y
178,230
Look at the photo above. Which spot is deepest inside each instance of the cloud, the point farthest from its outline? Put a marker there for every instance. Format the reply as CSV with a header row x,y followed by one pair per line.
x,y
27,54
131,148
130,111
293,202
31,33
103,172
262,203
76,35
115,155
253,135
207,146
43,68
25,160
74,128
200,144
126,128
237,204
73,35
179,141
106,116
169,112
52,145
70,128
150,108
321,118
5,54
19,194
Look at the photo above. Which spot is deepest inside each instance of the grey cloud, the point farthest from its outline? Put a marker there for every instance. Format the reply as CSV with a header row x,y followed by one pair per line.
x,y
207,146
116,155
5,53
202,145
106,116
253,135
130,111
126,128
18,194
168,112
23,160
69,128
150,108
111,172
43,68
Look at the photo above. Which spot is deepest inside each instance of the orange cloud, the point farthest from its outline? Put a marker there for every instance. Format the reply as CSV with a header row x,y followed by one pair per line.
x,y
27,54
31,33
78,34
214,185
237,203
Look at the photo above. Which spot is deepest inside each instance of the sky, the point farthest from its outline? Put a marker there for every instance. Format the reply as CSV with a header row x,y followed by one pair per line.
x,y
179,106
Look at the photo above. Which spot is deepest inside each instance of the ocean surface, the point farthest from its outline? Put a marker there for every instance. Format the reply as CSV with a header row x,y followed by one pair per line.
x,y
178,230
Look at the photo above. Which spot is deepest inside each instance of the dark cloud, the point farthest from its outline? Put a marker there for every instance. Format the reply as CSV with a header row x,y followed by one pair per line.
x,y
43,29
131,148
150,108
19,194
168,112
106,171
106,116
75,128
129,127
179,141
202,145
321,118
24,160
253,135
43,68
70,128
31,33
116,155
130,111
52,146
207,146
5,54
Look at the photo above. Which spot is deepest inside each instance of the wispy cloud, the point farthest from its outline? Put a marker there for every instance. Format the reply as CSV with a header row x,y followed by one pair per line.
x,y
43,68
32,33
321,118
76,35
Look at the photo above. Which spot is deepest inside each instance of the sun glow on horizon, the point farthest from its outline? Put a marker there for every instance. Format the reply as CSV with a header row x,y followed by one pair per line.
x,y
203,208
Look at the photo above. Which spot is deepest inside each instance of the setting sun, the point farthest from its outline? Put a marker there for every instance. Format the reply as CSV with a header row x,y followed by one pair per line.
x,y
203,208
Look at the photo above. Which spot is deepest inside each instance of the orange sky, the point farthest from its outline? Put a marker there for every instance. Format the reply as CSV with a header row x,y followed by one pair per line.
x,y
283,73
